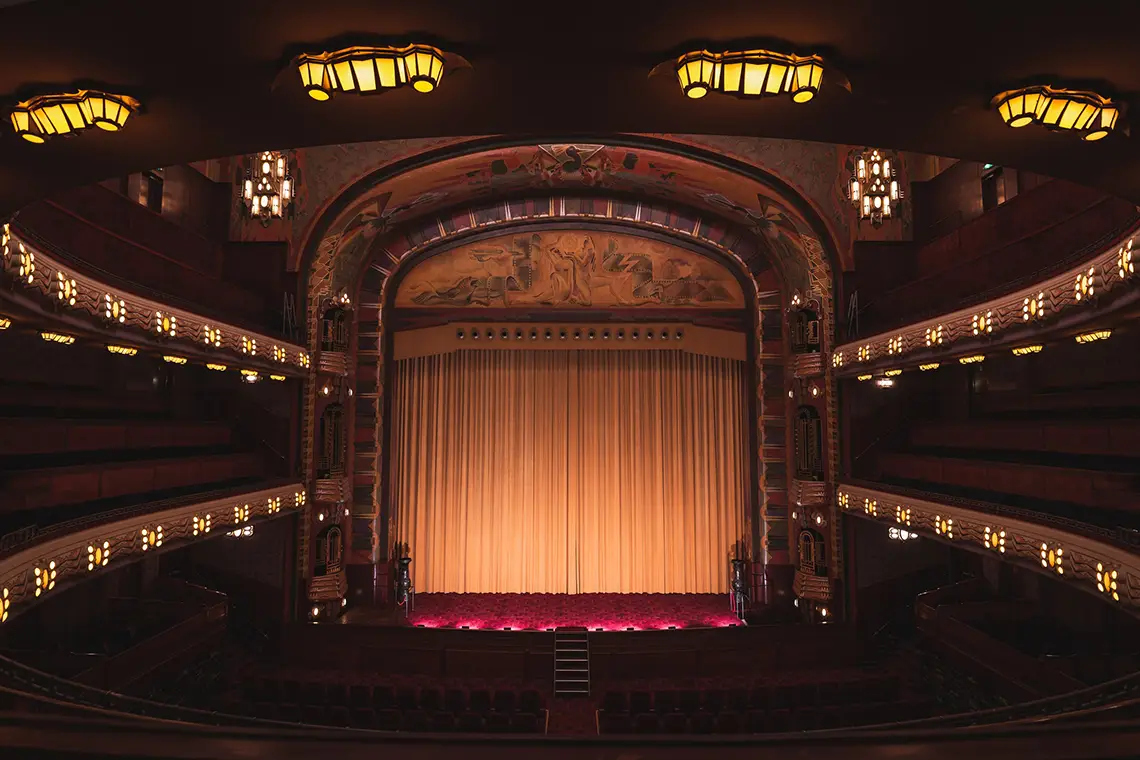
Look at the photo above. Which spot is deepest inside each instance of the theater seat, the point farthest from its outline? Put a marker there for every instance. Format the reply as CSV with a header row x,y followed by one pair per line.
x,y
701,722
640,702
729,723
363,717
615,723
383,698
337,716
524,723
389,720
470,722
665,702
441,722
504,701
614,702
646,723
359,696
497,723
431,700
415,720
530,701
455,700
674,723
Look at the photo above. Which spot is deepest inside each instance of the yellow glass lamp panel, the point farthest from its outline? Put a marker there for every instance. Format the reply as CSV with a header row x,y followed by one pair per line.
x,y
365,75
344,78
424,67
315,79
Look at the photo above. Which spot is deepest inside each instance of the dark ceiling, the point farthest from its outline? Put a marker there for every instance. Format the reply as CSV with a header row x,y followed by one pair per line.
x,y
922,75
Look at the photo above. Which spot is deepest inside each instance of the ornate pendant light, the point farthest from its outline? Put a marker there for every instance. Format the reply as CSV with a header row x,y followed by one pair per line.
x,y
268,189
874,189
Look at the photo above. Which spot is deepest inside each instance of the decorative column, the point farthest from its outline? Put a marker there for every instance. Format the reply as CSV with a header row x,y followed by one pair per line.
x,y
331,452
809,492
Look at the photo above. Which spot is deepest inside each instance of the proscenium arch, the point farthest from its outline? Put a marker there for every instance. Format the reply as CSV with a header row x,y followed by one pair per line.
x,y
746,319
336,213
819,253
380,281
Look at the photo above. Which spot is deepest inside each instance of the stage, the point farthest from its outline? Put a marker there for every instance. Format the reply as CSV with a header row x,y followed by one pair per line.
x,y
543,612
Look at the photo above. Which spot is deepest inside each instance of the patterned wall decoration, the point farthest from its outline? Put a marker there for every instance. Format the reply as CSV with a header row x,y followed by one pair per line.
x,y
640,171
1002,319
570,269
1096,560
815,171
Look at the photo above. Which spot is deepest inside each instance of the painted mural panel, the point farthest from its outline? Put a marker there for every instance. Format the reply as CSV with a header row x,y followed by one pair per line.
x,y
570,268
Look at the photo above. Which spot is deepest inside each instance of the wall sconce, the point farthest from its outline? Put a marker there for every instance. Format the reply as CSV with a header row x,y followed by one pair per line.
x,y
1088,114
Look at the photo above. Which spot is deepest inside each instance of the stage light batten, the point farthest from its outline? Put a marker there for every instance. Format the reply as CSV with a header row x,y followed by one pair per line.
x,y
1087,113
749,74
366,70
45,116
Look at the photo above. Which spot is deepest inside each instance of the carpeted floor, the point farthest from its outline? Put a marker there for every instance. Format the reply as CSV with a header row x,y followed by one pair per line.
x,y
610,612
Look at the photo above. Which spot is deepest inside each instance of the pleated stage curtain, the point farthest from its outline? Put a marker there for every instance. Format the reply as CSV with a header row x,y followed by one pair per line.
x,y
569,471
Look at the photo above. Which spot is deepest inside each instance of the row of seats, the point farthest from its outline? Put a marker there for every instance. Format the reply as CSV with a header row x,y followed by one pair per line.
x,y
384,697
764,697
24,436
1085,485
759,721
466,721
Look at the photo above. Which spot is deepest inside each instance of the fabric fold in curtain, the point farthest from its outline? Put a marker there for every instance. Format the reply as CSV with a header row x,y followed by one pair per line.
x,y
569,471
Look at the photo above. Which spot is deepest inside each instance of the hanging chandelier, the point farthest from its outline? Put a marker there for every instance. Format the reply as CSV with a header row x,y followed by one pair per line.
x,y
874,188
268,188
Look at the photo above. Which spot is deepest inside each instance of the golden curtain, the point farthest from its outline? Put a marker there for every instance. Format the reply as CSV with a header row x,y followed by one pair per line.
x,y
569,471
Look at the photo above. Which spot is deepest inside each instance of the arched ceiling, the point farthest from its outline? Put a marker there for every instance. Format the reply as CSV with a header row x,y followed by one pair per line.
x,y
920,82
378,213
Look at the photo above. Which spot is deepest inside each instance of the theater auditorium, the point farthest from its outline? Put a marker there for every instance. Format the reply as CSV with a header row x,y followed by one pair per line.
x,y
610,381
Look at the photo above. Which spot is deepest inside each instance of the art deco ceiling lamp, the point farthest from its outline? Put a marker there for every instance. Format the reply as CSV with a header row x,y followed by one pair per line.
x,y
268,189
46,116
367,70
1090,115
750,74
874,188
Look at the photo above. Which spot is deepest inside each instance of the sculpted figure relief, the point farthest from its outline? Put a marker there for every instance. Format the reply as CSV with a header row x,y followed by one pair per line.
x,y
570,269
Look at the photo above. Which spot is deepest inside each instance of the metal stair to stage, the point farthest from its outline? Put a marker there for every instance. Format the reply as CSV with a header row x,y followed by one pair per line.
x,y
571,662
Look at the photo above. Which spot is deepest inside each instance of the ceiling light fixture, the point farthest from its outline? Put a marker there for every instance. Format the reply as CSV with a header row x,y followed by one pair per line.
x,y
1093,337
268,189
748,74
46,116
874,188
54,337
1091,115
366,70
